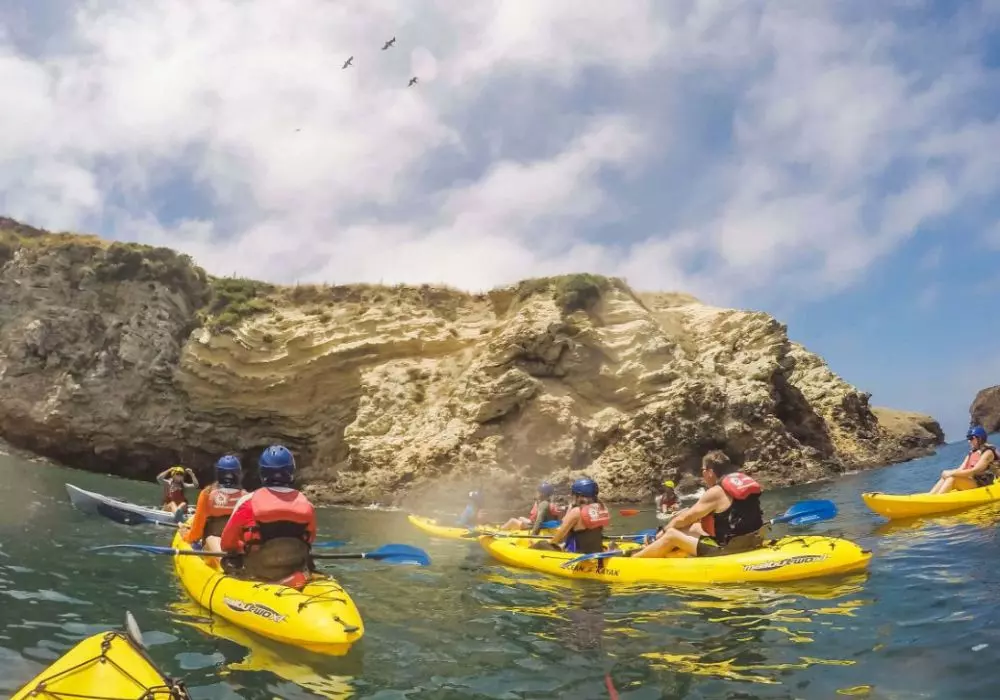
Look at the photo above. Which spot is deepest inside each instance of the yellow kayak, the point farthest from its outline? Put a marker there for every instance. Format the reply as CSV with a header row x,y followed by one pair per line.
x,y
321,617
110,665
896,507
451,532
786,559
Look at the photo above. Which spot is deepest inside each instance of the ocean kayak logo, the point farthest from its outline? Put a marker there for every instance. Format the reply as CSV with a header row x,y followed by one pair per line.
x,y
254,608
772,565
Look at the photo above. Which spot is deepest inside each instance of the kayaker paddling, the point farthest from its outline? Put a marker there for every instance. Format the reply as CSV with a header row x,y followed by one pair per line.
x,y
976,470
543,509
216,503
271,530
582,528
666,500
175,487
725,520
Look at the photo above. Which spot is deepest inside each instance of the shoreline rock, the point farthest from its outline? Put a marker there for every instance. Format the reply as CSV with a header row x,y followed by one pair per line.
x,y
121,358
985,409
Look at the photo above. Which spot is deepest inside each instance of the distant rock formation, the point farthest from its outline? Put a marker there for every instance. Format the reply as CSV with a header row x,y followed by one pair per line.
x,y
122,358
985,409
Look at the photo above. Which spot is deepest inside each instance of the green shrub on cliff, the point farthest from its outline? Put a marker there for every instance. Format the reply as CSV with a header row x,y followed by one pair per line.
x,y
236,298
577,292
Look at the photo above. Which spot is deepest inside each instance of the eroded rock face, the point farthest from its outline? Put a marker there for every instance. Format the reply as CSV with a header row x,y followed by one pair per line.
x,y
409,393
985,409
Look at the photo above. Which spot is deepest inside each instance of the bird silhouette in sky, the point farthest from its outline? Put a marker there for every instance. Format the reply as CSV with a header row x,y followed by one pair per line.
x,y
413,81
347,63
389,43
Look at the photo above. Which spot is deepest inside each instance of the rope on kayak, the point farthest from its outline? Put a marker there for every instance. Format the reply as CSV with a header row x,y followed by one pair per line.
x,y
610,686
174,689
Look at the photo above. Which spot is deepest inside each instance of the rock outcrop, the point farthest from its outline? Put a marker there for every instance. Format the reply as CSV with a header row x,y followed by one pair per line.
x,y
122,358
985,409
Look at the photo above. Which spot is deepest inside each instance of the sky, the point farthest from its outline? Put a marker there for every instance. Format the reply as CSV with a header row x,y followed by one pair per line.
x,y
834,163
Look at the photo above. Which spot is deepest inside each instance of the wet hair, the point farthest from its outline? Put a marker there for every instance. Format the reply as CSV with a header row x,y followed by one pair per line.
x,y
719,462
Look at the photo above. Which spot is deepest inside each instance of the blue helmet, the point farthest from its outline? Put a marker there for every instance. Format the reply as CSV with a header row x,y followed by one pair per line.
x,y
546,489
276,458
228,463
976,432
584,487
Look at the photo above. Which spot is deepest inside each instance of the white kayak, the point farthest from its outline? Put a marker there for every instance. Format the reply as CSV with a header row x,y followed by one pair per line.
x,y
116,509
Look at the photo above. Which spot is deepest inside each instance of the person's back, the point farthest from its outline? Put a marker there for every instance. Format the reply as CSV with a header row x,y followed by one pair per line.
x,y
274,527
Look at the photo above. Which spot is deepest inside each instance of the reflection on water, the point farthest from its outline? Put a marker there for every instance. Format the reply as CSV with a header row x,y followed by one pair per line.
x,y
921,623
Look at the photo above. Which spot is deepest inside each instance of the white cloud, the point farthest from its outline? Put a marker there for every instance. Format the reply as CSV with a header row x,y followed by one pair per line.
x,y
541,138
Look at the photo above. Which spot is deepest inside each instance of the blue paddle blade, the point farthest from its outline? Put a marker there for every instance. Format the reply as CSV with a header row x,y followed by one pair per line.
x,y
400,554
640,536
591,556
328,543
805,512
550,524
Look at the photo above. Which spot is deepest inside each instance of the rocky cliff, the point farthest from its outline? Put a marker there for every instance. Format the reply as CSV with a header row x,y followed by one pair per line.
x,y
123,358
985,409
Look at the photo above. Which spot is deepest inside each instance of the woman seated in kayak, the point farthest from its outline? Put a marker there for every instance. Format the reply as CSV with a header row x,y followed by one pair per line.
x,y
543,509
175,487
473,513
975,470
582,528
666,500
216,503
270,533
725,520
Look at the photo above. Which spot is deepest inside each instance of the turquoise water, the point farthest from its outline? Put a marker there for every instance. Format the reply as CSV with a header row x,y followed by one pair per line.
x,y
922,623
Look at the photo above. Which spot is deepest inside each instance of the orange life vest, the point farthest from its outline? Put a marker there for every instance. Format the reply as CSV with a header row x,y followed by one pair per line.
x,y
278,515
594,515
973,458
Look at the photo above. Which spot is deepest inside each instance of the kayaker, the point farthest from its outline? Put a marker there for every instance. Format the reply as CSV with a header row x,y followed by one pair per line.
x,y
271,530
544,508
725,520
216,503
666,500
175,487
976,470
472,514
582,528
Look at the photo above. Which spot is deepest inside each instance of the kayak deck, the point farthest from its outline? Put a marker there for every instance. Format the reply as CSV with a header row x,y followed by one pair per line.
x,y
115,508
105,665
451,532
899,506
785,559
321,617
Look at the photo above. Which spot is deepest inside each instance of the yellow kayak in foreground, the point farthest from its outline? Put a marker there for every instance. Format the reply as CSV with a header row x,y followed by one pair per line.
x,y
451,532
110,665
897,507
321,617
786,559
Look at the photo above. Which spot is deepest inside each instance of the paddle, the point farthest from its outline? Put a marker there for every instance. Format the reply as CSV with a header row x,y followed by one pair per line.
x,y
801,513
475,534
390,553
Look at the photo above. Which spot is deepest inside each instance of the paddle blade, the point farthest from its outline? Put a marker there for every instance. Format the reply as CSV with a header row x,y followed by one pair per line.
x,y
400,554
641,536
551,524
805,512
591,556
629,512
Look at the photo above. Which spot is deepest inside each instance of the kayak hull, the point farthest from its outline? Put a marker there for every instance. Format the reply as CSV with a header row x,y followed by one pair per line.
x,y
321,617
897,507
114,508
431,527
785,559
106,665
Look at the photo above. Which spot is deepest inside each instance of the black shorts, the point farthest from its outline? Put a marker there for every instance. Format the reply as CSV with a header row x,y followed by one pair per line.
x,y
708,547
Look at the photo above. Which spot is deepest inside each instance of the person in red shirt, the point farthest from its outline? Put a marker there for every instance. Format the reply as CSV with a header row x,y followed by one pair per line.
x,y
270,533
216,503
174,488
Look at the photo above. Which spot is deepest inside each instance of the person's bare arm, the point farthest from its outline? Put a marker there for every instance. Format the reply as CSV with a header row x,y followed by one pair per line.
x,y
569,521
706,505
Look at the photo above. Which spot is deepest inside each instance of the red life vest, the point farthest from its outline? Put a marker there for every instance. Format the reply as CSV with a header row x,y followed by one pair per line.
x,y
744,514
553,514
594,515
278,514
973,457
174,493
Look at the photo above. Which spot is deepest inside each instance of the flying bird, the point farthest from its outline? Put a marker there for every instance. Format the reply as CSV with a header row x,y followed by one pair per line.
x,y
347,63
413,81
389,43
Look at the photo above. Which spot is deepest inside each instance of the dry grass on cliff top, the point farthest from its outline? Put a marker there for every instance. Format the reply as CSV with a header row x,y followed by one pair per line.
x,y
225,302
